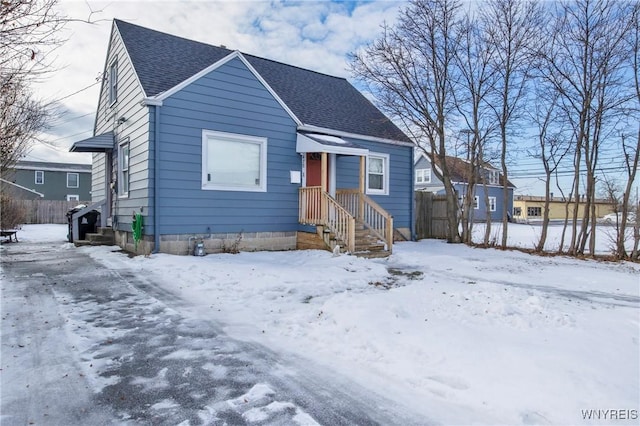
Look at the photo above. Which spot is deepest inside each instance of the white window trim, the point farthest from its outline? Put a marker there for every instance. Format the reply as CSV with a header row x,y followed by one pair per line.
x,y
41,173
425,175
121,192
234,137
77,180
476,203
385,176
73,197
494,177
493,206
113,82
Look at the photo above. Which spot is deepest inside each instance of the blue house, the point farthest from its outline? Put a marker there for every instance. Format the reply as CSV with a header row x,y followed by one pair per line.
x,y
216,146
53,181
488,190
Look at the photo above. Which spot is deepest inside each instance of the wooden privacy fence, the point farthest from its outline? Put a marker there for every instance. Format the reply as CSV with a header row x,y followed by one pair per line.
x,y
431,215
45,211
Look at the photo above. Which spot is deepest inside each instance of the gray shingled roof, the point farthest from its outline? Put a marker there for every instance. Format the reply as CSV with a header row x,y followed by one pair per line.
x,y
162,61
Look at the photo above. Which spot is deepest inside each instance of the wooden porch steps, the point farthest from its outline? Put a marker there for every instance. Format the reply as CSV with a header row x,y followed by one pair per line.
x,y
366,245
104,237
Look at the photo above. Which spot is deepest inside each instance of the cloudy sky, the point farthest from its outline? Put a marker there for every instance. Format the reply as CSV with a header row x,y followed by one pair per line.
x,y
316,35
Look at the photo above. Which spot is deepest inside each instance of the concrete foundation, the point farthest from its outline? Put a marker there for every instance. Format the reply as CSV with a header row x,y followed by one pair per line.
x,y
183,244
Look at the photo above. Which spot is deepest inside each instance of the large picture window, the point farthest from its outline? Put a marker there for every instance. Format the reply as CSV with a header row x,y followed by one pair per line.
x,y
233,162
123,169
378,174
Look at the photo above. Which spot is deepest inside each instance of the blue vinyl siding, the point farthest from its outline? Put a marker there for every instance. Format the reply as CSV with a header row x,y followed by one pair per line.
x,y
400,198
229,99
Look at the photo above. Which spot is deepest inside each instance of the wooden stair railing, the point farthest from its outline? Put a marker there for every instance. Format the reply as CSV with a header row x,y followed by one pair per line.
x,y
317,207
368,212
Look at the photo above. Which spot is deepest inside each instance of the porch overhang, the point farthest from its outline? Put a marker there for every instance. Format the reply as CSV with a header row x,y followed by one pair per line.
x,y
315,142
98,143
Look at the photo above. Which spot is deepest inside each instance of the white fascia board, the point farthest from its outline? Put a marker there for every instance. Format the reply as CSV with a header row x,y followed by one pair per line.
x,y
339,133
164,95
235,54
151,102
269,89
53,169
21,187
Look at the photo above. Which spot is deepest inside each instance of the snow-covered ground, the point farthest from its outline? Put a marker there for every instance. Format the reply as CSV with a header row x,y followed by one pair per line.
x,y
463,335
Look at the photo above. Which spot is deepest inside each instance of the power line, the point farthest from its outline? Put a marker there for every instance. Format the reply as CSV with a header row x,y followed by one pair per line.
x,y
79,91
74,118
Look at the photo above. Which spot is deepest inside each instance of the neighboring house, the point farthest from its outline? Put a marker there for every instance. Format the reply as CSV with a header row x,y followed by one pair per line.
x,y
218,145
530,208
490,180
55,181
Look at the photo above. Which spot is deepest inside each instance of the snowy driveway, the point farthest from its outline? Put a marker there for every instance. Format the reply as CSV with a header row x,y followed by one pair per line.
x,y
82,344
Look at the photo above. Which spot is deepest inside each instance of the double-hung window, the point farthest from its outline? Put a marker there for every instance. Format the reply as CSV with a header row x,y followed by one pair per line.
x,y
492,204
113,83
233,162
39,177
423,176
494,175
123,168
73,180
378,174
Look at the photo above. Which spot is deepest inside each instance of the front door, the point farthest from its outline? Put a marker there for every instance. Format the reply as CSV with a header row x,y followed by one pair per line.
x,y
314,169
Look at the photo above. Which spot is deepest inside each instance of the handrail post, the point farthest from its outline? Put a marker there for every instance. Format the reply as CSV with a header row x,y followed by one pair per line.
x,y
389,234
352,234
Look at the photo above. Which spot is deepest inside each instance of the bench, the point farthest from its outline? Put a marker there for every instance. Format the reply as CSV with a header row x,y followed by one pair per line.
x,y
12,234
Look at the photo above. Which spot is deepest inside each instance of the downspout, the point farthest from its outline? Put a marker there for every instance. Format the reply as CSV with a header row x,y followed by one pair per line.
x,y
156,103
156,175
412,199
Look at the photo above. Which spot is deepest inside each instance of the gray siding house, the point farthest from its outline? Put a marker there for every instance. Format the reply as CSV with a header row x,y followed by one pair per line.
x,y
425,179
54,181
216,145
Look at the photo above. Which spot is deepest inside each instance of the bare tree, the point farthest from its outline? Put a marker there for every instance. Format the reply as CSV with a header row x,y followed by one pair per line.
x,y
584,59
30,32
631,148
552,147
21,118
512,29
473,58
410,69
